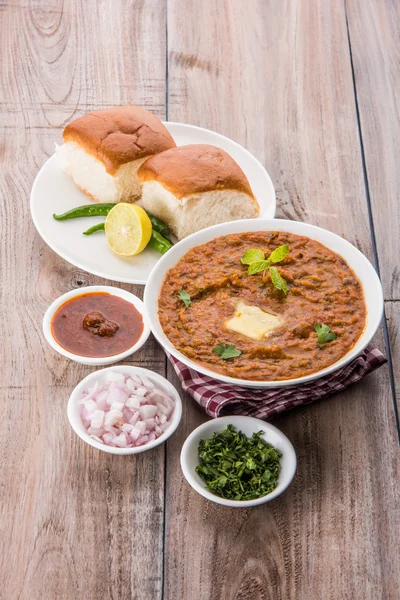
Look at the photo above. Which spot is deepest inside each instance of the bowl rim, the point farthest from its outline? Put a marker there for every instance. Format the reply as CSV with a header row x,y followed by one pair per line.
x,y
236,420
158,273
89,360
153,376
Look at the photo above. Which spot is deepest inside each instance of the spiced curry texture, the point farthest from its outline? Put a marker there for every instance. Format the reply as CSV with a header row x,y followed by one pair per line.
x,y
321,288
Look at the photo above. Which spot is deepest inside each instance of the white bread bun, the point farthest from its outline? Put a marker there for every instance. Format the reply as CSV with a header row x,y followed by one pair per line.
x,y
195,186
103,151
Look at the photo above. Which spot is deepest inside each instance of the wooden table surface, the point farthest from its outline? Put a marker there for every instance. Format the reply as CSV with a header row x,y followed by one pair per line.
x,y
309,87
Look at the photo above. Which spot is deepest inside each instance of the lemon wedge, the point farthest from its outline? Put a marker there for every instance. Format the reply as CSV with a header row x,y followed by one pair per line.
x,y
128,229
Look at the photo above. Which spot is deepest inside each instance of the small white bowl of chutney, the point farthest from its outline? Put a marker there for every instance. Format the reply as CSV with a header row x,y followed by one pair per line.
x,y
96,325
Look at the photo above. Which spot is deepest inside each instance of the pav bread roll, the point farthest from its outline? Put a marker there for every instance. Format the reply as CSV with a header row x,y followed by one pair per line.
x,y
195,186
103,150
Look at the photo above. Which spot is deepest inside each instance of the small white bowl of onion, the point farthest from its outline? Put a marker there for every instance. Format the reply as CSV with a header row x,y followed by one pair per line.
x,y
124,409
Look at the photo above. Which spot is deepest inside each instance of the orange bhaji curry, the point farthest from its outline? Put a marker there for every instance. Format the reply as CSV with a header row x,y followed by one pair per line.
x,y
241,325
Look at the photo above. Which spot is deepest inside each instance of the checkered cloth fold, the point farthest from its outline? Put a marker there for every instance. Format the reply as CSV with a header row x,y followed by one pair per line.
x,y
219,399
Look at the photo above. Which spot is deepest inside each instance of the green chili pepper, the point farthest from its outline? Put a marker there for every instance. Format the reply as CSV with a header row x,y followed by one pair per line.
x,y
99,227
102,209
87,210
159,226
157,241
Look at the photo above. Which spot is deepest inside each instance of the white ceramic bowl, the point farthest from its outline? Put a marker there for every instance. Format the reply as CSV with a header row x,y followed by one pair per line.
x,y
248,425
74,408
355,259
86,360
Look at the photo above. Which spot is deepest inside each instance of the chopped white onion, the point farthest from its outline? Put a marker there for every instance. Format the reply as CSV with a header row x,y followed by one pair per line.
x,y
148,411
141,391
96,432
113,376
130,384
150,424
109,438
147,383
135,433
114,417
125,412
97,419
133,402
117,395
126,427
133,420
161,409
120,440
90,406
141,425
143,439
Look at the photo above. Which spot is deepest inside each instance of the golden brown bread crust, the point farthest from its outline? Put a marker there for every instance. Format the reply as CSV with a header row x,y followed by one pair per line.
x,y
116,136
192,169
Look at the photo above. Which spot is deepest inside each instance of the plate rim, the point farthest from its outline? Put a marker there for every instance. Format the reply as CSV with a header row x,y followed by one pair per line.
x,y
135,280
60,253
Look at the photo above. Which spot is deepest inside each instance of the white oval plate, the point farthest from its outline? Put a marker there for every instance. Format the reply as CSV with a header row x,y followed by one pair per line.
x,y
54,192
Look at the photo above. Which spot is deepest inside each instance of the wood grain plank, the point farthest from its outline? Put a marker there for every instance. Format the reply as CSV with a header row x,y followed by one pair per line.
x,y
263,64
75,523
392,309
377,81
60,56
277,78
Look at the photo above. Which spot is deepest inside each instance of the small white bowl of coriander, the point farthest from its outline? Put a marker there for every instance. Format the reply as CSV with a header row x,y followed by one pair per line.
x,y
238,461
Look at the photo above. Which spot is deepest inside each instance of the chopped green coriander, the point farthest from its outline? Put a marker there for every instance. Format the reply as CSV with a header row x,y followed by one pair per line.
x,y
237,467
226,351
185,297
324,333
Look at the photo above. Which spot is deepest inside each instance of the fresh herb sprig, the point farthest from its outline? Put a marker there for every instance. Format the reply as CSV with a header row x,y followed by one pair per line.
x,y
185,297
324,332
226,351
256,261
237,467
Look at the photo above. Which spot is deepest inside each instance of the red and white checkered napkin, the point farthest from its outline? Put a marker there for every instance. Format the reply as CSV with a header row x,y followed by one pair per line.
x,y
220,399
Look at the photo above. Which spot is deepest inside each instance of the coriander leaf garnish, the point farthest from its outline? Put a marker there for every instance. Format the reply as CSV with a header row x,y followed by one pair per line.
x,y
185,297
226,351
324,333
238,467
252,255
278,280
256,261
278,254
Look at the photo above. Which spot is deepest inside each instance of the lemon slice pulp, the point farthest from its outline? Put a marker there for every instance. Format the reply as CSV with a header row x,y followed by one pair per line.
x,y
128,229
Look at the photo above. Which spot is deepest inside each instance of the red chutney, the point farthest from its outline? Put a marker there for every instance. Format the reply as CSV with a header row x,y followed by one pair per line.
x,y
97,325
322,288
